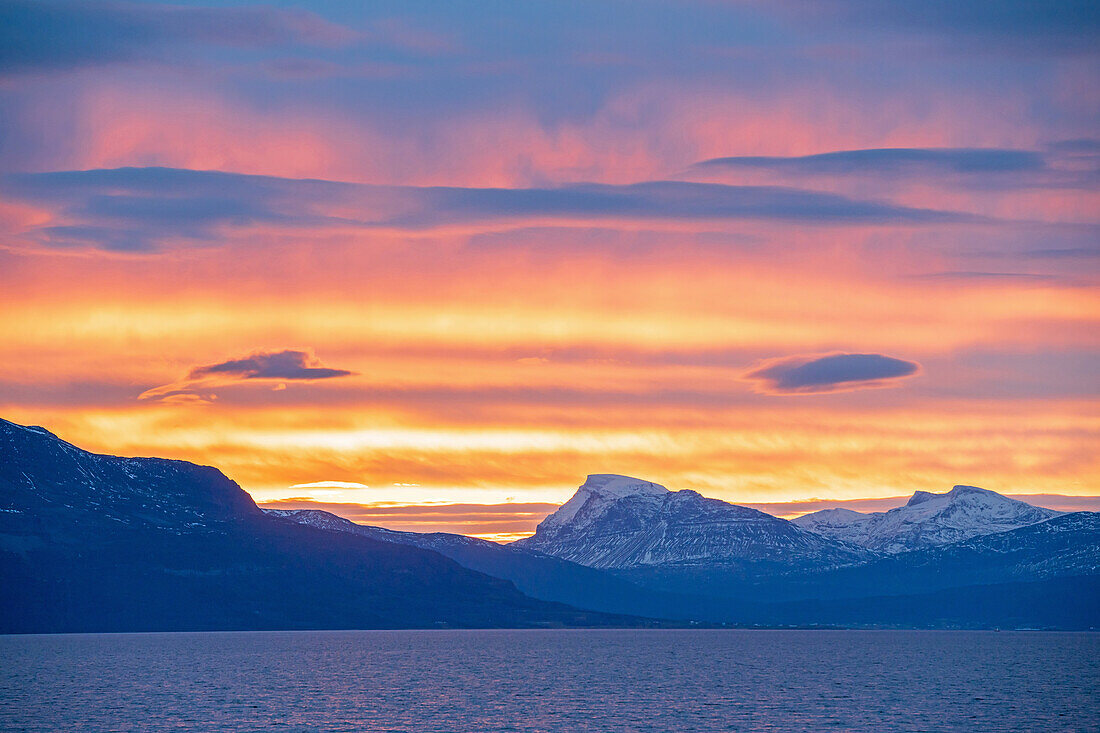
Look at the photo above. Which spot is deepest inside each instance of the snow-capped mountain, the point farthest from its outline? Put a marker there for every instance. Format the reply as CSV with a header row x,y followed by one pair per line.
x,y
1066,546
622,522
927,520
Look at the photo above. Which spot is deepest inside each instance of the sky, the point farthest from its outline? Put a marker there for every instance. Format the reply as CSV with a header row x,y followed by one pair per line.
x,y
429,264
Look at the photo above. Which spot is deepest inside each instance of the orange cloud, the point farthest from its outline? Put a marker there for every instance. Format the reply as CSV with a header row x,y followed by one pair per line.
x,y
499,522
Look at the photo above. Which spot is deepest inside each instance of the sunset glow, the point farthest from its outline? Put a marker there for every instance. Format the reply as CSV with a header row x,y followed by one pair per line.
x,y
318,258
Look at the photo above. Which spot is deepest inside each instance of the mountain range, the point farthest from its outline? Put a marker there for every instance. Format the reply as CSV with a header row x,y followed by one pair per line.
x,y
621,522
101,543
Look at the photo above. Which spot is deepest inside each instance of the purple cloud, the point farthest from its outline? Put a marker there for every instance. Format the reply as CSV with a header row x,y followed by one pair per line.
x,y
1069,164
287,364
895,160
795,375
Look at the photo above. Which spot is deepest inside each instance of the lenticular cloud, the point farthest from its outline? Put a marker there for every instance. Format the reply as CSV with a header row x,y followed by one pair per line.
x,y
829,373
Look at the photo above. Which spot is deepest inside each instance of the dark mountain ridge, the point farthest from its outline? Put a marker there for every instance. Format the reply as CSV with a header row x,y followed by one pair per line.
x,y
1020,579
100,543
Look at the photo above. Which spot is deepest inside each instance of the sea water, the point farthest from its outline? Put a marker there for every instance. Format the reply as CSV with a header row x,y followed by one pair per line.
x,y
552,680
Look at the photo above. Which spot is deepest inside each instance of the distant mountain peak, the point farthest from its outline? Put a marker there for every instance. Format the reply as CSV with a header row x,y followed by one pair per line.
x,y
959,489
928,520
9,425
842,512
600,490
919,497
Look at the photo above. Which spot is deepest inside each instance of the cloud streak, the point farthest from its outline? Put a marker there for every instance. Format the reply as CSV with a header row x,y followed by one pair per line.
x,y
1062,166
51,35
491,521
895,160
1048,27
143,209
801,375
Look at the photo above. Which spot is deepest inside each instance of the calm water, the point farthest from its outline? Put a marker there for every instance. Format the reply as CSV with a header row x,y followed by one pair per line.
x,y
552,681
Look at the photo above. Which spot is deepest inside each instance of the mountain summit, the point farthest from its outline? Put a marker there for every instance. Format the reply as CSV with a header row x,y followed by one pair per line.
x,y
927,520
599,491
622,522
